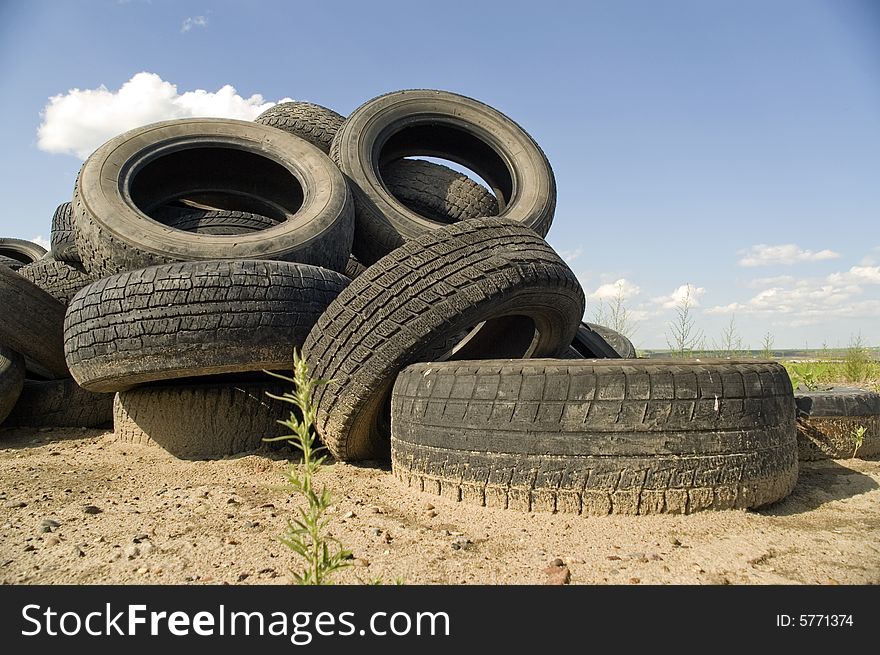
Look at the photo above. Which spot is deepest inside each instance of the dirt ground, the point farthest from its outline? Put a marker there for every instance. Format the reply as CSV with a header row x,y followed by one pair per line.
x,y
79,507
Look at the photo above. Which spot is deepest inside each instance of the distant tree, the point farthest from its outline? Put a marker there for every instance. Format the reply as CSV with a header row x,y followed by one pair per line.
x,y
682,336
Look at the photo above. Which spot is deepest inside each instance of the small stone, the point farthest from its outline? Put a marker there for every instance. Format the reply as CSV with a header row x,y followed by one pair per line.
x,y
268,571
232,501
14,504
456,545
230,541
557,575
376,532
675,542
360,561
143,570
76,551
427,507
349,515
431,513
29,548
138,538
697,568
634,580
147,548
243,576
374,510
252,524
267,506
557,562
92,509
53,541
656,558
48,525
613,557
115,556
132,551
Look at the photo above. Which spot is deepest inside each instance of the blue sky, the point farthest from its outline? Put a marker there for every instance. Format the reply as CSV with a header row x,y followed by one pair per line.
x,y
733,146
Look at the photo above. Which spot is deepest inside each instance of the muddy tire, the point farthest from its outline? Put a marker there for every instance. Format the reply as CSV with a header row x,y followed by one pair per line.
x,y
11,380
415,304
597,436
193,319
220,222
448,126
827,420
63,235
61,280
20,250
60,404
212,161
32,323
200,421
621,344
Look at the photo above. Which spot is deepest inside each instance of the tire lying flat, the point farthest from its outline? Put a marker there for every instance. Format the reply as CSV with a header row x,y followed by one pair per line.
x,y
249,167
32,324
597,436
827,419
199,421
417,302
448,126
193,319
60,404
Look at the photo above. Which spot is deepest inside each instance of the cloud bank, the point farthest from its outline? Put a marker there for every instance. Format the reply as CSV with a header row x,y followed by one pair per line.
x,y
789,253
79,121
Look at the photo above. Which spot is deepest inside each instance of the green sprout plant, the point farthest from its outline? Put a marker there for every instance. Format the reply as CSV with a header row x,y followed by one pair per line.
x,y
306,534
858,437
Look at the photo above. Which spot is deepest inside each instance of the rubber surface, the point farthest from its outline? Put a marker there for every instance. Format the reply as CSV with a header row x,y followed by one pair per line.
x,y
621,344
597,436
193,319
417,302
220,222
828,418
448,126
61,280
11,380
21,250
235,165
32,323
589,344
60,403
202,420
63,236
314,123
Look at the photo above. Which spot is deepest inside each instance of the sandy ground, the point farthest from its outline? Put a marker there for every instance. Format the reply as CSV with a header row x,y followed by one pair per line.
x,y
77,506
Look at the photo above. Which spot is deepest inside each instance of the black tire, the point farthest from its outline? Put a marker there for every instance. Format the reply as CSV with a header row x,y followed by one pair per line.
x,y
414,304
220,222
247,166
445,125
354,268
201,420
827,420
61,280
63,236
20,250
11,380
621,345
589,344
437,192
314,123
597,436
32,323
60,404
193,319
9,262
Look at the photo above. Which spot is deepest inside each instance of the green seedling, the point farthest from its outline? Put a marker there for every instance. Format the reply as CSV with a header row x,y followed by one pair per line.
x,y
858,437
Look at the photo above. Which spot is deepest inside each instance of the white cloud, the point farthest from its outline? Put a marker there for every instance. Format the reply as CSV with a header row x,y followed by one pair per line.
x,y
778,280
79,121
764,255
621,288
41,241
569,256
857,275
193,21
687,292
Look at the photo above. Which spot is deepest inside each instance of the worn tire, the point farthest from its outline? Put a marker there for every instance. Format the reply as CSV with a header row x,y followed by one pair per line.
x,y
414,304
9,262
589,344
314,123
193,319
199,421
827,418
61,280
220,222
32,323
123,181
63,236
445,125
437,192
21,250
11,380
621,344
597,436
354,268
61,404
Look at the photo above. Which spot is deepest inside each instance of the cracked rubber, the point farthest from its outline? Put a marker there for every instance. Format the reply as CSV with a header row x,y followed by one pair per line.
x,y
11,380
448,126
63,236
826,420
415,304
61,404
597,436
201,421
61,280
21,250
32,323
232,165
193,319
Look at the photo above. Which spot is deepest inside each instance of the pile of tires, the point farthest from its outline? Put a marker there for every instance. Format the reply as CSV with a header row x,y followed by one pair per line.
x,y
837,422
197,253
